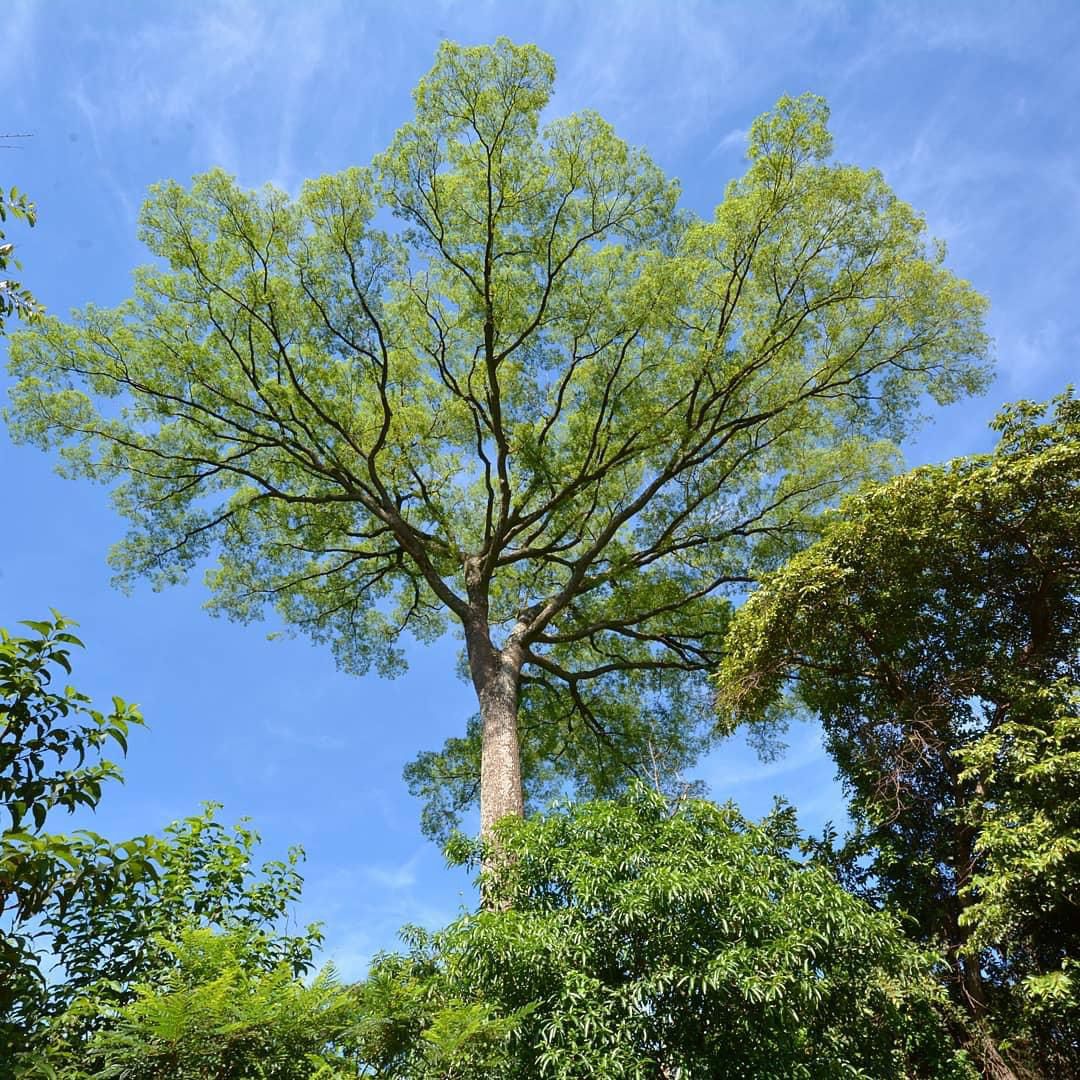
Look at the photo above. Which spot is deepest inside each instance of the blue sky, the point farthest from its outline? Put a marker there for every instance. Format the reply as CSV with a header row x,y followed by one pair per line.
x,y
970,110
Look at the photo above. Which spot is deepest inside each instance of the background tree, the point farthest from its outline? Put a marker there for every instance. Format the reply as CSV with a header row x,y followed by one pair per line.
x,y
935,629
634,938
550,407
52,746
1023,913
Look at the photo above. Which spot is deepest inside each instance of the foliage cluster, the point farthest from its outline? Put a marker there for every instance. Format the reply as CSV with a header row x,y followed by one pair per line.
x,y
15,298
210,1012
934,629
51,758
105,915
640,938
636,937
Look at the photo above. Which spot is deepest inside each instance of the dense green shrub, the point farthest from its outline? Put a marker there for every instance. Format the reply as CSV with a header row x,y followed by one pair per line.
x,y
212,1014
636,938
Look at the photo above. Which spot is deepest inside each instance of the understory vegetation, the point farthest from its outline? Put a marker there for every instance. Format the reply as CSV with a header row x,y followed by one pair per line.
x,y
645,465
932,628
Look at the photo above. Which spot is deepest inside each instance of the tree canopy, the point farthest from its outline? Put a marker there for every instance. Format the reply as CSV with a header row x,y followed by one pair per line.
x,y
935,630
547,405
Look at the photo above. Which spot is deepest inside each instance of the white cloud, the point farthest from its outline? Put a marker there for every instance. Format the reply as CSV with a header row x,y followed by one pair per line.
x,y
395,877
1035,355
91,113
724,776
20,25
735,139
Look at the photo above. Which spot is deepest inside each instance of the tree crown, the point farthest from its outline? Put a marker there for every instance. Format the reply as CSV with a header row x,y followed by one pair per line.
x,y
549,403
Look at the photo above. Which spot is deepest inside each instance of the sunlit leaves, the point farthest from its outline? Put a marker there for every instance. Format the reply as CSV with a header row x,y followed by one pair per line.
x,y
211,1013
15,298
645,938
506,342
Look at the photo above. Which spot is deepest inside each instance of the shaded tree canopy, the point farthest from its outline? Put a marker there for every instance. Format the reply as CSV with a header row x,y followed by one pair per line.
x,y
935,629
499,378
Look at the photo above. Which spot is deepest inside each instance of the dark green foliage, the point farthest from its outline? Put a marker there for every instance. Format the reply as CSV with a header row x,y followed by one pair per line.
x,y
935,630
637,938
15,298
1022,911
52,746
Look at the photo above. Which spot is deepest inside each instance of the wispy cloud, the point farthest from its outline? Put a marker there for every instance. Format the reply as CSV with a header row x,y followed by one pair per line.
x,y
726,776
395,877
90,113
364,907
228,77
20,22
308,738
734,140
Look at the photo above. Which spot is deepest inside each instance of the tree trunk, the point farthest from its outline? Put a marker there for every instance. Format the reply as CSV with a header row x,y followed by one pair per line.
x,y
496,677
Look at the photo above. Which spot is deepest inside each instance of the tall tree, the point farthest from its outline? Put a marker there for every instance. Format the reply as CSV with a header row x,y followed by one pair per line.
x,y
550,406
935,629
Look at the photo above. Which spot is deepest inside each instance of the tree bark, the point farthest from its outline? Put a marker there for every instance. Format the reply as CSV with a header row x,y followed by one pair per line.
x,y
496,676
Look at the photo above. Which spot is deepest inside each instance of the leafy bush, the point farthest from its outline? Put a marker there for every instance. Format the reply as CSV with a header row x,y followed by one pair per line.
x,y
212,1014
52,759
636,938
83,920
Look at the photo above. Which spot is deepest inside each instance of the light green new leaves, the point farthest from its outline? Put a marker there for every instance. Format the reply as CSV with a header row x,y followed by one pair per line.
x,y
211,1014
505,342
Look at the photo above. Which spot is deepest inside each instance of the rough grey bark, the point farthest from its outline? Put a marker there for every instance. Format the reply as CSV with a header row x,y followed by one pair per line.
x,y
496,676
